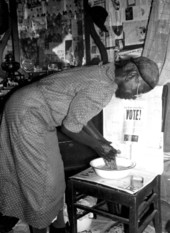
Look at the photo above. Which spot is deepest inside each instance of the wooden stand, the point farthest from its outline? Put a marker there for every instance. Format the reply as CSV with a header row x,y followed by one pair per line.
x,y
142,208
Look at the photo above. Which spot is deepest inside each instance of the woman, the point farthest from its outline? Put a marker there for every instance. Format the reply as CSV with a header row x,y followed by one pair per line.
x,y
32,183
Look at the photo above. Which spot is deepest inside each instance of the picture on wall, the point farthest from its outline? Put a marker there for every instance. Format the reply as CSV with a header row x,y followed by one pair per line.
x,y
134,32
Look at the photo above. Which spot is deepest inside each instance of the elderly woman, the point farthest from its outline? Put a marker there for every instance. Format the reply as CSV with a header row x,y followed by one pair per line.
x,y
32,183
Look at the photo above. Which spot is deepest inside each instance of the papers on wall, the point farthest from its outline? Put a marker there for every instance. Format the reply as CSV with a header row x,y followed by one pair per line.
x,y
134,32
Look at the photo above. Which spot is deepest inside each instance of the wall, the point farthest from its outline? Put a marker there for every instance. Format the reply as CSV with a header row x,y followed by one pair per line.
x,y
127,27
50,33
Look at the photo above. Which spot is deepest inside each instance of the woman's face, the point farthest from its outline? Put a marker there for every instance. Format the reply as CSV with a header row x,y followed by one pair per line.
x,y
128,82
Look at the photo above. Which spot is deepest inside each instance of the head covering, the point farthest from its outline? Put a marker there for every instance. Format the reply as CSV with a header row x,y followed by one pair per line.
x,y
148,70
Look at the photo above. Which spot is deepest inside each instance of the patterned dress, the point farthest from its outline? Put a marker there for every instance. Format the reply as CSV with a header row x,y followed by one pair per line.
x,y
32,183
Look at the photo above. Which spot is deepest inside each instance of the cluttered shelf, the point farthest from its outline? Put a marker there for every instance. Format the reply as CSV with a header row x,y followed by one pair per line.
x,y
16,80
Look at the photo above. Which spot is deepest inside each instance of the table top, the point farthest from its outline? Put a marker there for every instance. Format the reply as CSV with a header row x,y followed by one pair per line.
x,y
128,184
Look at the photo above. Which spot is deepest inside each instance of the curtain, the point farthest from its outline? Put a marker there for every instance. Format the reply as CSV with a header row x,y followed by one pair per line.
x,y
157,43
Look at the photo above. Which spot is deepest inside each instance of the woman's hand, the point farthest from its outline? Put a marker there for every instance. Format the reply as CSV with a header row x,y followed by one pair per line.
x,y
108,153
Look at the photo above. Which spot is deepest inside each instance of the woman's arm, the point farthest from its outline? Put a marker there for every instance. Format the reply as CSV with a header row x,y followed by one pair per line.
x,y
102,147
90,129
81,137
